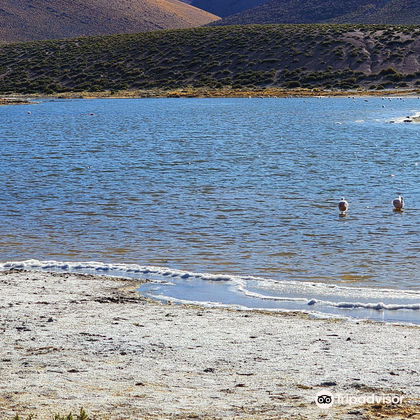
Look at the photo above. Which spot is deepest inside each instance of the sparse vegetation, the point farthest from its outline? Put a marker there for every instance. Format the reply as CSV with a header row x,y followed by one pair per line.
x,y
81,416
254,56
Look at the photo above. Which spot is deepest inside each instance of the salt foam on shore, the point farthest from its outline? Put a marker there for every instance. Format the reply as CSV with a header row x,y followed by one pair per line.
x,y
415,118
164,284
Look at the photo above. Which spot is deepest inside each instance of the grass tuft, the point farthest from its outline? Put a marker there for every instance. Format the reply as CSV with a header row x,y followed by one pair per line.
x,y
81,416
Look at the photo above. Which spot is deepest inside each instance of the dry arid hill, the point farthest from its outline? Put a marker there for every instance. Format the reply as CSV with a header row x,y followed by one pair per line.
x,y
395,12
25,20
224,7
398,12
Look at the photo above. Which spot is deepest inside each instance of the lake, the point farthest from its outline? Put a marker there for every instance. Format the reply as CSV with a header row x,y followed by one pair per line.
x,y
233,200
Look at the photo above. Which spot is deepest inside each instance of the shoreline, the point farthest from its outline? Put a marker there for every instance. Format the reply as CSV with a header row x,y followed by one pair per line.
x,y
73,340
15,100
187,92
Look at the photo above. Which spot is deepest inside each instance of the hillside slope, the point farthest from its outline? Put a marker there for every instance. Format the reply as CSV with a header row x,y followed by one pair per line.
x,y
224,7
329,11
398,12
309,56
25,20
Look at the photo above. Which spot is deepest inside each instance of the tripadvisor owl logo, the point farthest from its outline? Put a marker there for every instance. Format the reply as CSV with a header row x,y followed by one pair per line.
x,y
324,399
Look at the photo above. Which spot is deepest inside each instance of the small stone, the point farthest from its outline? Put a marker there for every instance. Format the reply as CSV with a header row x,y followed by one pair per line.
x,y
329,383
355,412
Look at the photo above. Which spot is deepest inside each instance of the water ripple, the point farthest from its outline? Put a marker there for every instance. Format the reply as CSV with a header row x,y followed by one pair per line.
x,y
239,186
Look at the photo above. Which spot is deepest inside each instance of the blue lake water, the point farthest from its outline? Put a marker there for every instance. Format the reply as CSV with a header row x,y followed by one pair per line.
x,y
242,188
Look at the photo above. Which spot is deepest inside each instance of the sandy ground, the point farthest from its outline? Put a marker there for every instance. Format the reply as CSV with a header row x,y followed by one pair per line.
x,y
189,92
71,341
15,101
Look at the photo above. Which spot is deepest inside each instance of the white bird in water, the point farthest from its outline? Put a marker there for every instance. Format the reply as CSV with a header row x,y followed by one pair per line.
x,y
343,205
398,203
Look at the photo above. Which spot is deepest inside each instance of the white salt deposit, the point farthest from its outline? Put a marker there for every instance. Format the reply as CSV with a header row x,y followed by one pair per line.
x,y
251,292
71,340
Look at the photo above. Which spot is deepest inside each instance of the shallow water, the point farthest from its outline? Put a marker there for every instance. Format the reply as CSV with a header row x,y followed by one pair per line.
x,y
242,187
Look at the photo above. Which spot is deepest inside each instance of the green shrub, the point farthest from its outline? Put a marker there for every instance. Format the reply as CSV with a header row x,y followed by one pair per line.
x,y
205,57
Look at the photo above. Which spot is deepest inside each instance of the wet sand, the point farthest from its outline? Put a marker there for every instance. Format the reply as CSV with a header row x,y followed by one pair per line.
x,y
71,341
